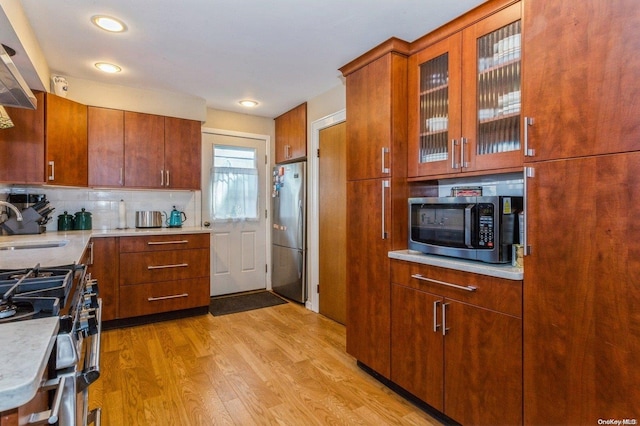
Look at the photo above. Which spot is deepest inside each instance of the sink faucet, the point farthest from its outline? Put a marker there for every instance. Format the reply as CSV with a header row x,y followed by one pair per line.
x,y
14,208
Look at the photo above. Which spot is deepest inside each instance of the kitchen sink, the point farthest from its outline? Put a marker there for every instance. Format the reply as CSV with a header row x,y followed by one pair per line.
x,y
27,245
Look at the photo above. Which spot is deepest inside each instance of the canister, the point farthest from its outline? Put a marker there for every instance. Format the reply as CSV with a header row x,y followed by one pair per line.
x,y
65,222
82,220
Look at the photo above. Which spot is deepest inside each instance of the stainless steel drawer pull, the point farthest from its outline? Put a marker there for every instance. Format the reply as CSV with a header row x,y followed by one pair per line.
x,y
174,296
177,265
436,326
460,287
159,243
50,416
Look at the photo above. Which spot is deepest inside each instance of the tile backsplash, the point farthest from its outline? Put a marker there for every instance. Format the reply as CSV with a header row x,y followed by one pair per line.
x,y
103,204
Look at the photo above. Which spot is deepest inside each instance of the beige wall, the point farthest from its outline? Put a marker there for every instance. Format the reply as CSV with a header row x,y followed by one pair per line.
x,y
322,105
135,99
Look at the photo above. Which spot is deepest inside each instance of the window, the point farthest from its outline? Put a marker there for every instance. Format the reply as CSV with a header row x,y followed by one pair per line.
x,y
234,183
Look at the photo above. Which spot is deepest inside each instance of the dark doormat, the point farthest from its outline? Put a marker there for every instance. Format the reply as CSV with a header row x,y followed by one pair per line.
x,y
224,305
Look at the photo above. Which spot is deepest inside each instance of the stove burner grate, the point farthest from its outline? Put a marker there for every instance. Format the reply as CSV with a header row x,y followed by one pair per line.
x,y
7,310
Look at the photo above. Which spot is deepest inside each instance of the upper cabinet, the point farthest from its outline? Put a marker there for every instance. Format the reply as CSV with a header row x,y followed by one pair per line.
x,y
582,69
376,123
66,142
464,99
106,147
136,150
144,150
22,146
182,153
291,135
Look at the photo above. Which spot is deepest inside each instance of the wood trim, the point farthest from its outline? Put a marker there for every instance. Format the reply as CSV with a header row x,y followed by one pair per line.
x,y
463,21
392,45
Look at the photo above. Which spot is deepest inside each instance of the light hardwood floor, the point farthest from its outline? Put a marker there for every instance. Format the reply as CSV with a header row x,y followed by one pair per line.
x,y
281,365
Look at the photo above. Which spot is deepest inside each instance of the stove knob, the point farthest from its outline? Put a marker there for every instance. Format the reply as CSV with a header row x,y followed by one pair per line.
x,y
91,286
91,300
88,323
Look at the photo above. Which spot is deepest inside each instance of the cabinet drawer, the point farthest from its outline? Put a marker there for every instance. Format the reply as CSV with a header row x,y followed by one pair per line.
x,y
164,242
138,268
493,293
152,298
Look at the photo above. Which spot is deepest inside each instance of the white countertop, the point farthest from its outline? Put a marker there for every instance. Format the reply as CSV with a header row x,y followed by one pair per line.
x,y
492,270
26,346
76,243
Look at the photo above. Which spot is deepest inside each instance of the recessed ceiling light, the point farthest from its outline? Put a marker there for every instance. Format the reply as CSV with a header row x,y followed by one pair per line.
x,y
248,103
108,23
106,67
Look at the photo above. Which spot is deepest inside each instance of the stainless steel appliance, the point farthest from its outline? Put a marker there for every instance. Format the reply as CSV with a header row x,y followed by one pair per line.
x,y
69,293
288,250
149,219
476,228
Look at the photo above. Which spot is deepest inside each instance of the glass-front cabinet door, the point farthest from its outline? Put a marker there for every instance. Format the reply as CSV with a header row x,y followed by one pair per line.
x,y
491,129
464,104
434,108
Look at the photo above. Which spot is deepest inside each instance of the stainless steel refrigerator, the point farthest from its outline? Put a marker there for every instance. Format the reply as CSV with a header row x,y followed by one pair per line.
x,y
288,236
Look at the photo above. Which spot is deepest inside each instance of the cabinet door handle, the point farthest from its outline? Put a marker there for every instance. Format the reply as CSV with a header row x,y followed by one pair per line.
x,y
161,177
529,172
158,243
463,142
435,316
444,319
52,176
385,169
121,182
528,152
173,296
454,143
431,280
177,265
91,253
385,184
167,178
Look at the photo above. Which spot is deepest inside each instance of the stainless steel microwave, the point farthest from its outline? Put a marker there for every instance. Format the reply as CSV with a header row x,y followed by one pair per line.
x,y
476,228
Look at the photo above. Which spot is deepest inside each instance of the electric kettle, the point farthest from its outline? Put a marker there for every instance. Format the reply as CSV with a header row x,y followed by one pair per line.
x,y
176,218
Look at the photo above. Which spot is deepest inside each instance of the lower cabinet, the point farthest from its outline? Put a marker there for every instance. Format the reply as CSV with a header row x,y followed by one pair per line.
x,y
151,274
458,348
103,265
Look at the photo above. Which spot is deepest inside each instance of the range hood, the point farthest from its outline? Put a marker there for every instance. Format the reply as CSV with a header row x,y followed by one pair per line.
x,y
14,91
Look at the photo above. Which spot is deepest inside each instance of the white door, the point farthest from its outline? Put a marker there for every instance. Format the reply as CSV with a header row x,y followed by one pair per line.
x,y
234,202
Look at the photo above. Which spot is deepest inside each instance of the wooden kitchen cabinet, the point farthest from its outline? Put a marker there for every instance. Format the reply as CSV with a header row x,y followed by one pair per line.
x,y
143,150
182,153
106,146
66,145
582,328
458,349
376,198
161,152
22,146
163,273
103,264
581,92
464,99
291,135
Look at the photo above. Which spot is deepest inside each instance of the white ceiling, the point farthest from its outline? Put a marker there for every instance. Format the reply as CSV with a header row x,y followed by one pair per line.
x,y
278,52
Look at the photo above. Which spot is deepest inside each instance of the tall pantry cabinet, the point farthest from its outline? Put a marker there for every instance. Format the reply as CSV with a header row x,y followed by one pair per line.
x,y
581,98
376,195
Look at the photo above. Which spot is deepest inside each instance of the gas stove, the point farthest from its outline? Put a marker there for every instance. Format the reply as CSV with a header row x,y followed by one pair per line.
x,y
69,293
35,292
